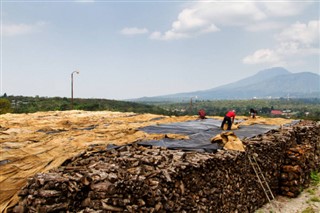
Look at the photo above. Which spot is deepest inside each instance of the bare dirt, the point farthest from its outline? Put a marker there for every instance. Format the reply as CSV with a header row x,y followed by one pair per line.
x,y
307,202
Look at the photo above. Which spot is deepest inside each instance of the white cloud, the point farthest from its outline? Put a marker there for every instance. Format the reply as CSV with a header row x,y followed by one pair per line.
x,y
133,31
263,56
306,34
298,39
206,17
21,29
284,8
188,25
169,35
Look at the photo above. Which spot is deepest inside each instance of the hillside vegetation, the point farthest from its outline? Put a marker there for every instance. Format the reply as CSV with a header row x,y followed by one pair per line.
x,y
22,104
293,108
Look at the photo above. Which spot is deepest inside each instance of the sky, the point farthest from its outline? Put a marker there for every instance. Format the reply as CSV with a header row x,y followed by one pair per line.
x,y
131,49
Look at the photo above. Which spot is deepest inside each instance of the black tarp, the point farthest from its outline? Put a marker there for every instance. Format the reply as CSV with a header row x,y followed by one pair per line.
x,y
200,132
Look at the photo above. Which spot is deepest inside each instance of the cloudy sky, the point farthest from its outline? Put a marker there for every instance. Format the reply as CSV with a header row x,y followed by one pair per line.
x,y
131,49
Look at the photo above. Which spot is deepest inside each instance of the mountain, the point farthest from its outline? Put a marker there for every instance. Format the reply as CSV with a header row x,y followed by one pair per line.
x,y
274,82
257,78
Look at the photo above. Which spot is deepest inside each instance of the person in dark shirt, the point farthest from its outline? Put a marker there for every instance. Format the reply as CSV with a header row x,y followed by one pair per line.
x,y
253,113
229,119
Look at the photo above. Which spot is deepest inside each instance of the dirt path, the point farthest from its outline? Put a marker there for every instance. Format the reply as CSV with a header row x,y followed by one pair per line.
x,y
307,202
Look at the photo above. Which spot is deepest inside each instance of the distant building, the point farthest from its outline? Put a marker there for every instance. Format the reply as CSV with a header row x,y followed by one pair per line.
x,y
288,113
276,112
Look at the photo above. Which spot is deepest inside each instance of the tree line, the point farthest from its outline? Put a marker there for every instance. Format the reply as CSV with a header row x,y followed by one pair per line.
x,y
294,108
23,104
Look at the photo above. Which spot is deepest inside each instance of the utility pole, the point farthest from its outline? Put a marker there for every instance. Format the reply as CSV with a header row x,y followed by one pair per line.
x,y
191,104
72,87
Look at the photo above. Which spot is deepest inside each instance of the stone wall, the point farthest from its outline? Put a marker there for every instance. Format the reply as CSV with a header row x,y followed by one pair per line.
x,y
154,179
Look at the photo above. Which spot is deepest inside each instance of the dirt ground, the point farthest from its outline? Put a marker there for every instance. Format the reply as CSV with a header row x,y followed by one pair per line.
x,y
307,202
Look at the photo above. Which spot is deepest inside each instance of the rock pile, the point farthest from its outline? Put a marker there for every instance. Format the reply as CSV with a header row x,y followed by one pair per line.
x,y
154,179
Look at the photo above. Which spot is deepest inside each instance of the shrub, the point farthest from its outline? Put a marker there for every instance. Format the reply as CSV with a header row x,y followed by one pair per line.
x,y
5,106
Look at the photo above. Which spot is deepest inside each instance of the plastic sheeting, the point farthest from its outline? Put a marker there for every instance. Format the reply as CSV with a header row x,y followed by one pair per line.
x,y
200,132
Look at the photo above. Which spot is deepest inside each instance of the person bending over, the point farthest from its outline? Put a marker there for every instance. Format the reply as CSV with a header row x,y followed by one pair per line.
x,y
229,119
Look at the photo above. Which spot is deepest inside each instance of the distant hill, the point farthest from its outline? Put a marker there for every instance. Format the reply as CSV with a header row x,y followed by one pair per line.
x,y
269,83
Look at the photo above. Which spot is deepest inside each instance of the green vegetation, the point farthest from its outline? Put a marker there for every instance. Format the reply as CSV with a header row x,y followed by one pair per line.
x,y
293,108
308,210
5,106
22,104
315,199
311,191
315,178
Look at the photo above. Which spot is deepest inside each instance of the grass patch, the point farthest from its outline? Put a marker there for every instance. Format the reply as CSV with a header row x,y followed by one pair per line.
x,y
315,199
308,210
311,191
315,177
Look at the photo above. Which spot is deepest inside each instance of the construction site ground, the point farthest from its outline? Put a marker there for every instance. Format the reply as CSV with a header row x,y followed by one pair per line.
x,y
37,142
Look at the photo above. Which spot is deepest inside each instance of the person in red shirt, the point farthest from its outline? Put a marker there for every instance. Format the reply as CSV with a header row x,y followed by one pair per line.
x,y
229,118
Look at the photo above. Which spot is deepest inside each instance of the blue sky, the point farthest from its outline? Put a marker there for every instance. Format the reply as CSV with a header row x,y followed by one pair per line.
x,y
131,49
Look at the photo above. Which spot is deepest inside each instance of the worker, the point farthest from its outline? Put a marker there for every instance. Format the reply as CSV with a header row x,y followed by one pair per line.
x,y
253,113
202,114
229,118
